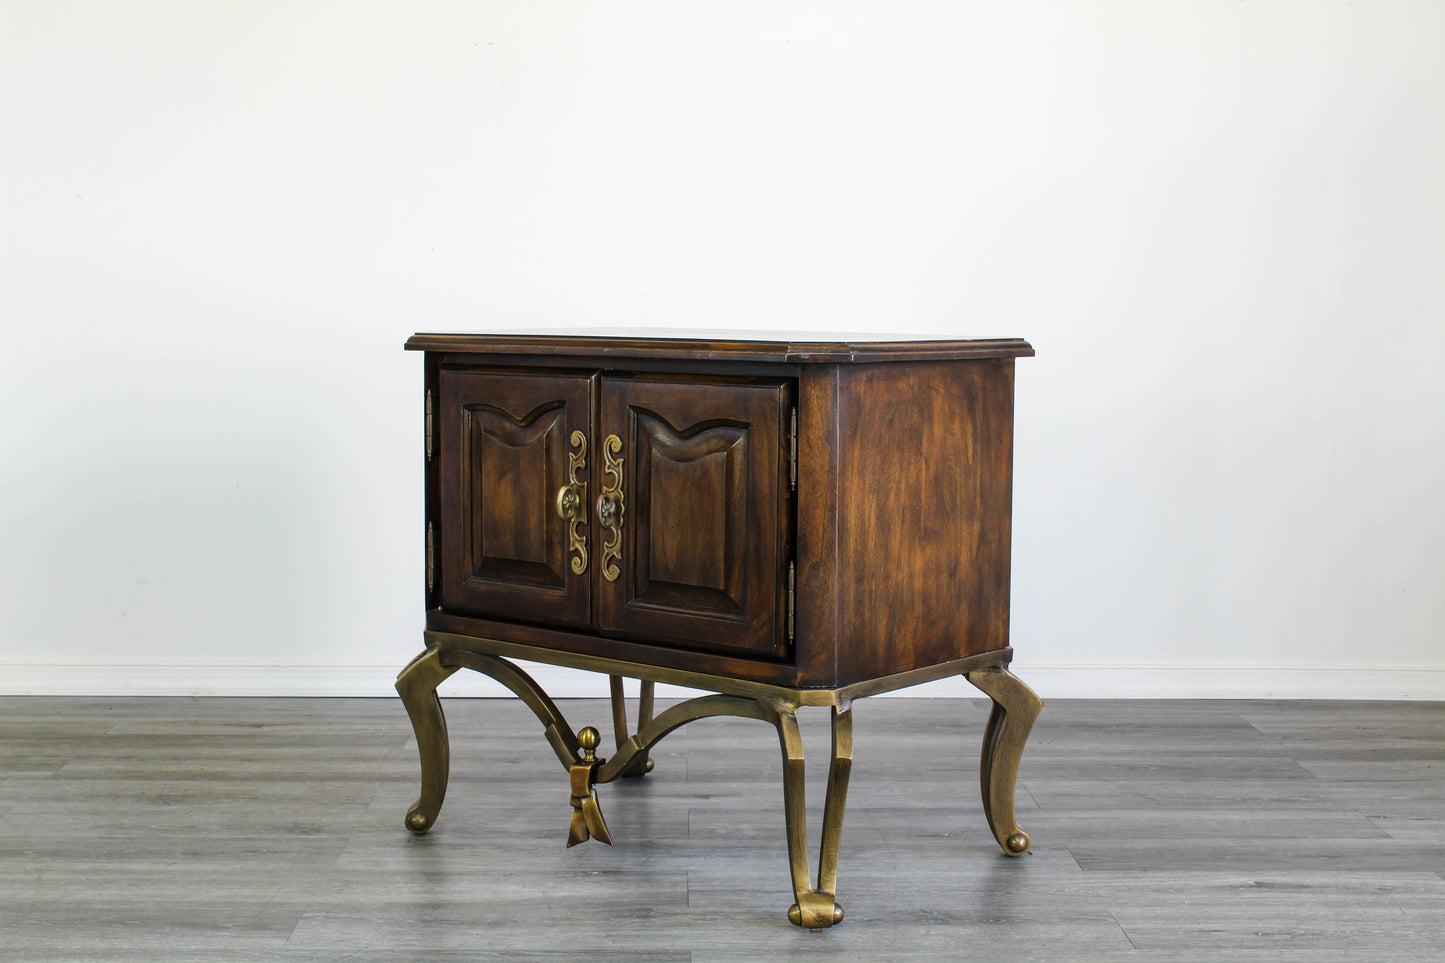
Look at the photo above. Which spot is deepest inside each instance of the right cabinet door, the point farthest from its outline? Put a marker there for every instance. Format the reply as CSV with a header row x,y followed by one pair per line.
x,y
693,515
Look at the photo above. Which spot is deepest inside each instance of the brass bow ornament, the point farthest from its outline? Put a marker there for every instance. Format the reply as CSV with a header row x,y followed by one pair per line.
x,y
587,821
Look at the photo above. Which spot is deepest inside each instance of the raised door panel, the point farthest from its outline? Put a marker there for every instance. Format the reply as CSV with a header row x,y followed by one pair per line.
x,y
509,445
700,556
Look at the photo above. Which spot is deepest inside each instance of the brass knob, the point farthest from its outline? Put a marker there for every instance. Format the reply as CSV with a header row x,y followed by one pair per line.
x,y
569,502
589,739
607,510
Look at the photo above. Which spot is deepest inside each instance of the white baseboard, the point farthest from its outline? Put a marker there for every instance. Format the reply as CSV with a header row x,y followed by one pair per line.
x,y
1095,681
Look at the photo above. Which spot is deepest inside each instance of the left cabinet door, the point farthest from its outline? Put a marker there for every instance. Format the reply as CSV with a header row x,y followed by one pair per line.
x,y
513,451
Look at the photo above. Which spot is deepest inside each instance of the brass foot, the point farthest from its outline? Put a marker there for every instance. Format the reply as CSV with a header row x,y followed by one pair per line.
x,y
816,906
817,911
417,685
1015,707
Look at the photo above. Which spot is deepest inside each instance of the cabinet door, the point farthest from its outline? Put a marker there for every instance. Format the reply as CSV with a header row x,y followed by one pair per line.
x,y
509,445
693,549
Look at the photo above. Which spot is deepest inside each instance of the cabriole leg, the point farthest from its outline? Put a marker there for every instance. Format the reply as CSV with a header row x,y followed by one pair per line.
x,y
1015,707
417,686
816,907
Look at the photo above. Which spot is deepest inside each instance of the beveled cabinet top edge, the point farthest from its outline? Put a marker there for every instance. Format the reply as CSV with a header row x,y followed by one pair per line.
x,y
729,346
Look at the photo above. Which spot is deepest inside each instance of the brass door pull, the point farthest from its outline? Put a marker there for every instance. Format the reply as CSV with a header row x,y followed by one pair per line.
x,y
569,502
572,501
610,507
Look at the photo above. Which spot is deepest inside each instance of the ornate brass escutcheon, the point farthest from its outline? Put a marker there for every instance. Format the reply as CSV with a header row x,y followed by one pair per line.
x,y
572,501
610,507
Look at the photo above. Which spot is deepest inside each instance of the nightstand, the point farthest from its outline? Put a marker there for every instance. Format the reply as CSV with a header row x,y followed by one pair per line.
x,y
784,522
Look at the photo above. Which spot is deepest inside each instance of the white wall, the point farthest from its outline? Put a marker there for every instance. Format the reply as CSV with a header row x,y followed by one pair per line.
x,y
1221,223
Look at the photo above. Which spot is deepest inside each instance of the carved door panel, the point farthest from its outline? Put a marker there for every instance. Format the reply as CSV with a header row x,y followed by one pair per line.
x,y
693,512
510,447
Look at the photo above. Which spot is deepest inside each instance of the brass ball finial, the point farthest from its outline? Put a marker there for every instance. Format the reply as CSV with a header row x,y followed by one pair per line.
x,y
589,739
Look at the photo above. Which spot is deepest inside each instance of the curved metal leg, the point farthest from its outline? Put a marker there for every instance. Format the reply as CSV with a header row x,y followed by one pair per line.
x,y
417,686
679,715
645,692
816,907
836,798
558,732
641,765
619,709
1015,707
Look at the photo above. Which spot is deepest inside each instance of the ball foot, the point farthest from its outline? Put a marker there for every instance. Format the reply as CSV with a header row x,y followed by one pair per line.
x,y
816,911
419,822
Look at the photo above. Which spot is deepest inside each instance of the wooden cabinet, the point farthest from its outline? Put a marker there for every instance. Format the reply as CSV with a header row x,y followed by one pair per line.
x,y
783,522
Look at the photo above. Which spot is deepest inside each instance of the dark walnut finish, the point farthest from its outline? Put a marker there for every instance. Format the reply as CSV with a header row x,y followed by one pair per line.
x,y
783,522
504,550
708,512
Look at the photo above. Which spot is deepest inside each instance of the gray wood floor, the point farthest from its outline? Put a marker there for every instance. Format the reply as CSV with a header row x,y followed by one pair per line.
x,y
270,829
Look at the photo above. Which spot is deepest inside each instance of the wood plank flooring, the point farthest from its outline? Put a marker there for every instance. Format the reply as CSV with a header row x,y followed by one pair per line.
x,y
270,829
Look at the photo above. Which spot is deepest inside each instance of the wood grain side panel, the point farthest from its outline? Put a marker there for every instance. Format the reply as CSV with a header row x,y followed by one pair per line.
x,y
926,468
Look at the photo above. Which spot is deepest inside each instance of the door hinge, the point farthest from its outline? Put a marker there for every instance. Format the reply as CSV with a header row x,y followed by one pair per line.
x,y
431,557
792,600
793,451
428,425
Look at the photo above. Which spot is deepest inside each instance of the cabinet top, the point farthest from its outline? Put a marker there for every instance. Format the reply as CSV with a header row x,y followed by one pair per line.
x,y
811,347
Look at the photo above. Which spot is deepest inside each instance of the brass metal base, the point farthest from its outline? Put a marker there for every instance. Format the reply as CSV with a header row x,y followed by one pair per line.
x,y
1015,708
